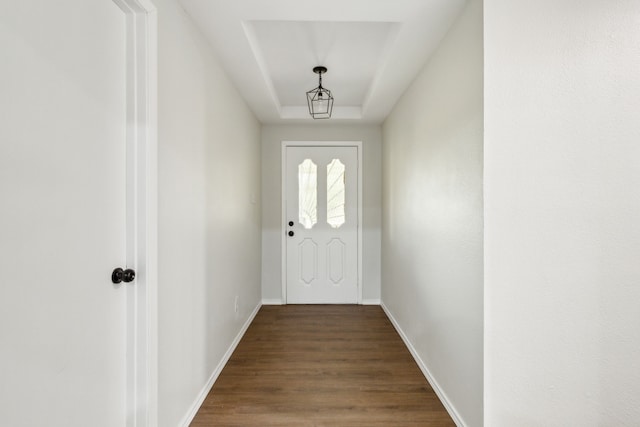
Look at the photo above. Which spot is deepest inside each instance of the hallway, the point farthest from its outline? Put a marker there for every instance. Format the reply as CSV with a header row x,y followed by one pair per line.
x,y
497,200
321,365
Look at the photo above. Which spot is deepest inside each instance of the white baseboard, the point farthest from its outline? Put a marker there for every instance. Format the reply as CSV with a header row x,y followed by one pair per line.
x,y
216,373
425,370
370,302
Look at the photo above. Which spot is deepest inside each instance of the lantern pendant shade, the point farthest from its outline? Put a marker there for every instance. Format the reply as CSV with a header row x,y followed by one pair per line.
x,y
319,99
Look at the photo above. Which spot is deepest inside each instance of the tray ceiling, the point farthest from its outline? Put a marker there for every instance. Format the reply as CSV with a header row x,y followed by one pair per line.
x,y
373,50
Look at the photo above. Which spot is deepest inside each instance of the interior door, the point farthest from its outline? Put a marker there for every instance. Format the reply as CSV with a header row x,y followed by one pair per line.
x,y
62,213
322,225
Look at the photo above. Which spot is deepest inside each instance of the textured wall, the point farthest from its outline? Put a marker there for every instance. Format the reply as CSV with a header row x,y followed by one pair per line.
x,y
562,239
432,215
209,213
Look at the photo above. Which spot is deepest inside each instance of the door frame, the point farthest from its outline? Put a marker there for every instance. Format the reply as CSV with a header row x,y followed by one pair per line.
x,y
283,209
141,211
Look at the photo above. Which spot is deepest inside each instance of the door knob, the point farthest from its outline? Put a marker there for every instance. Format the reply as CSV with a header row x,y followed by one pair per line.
x,y
120,275
290,223
291,233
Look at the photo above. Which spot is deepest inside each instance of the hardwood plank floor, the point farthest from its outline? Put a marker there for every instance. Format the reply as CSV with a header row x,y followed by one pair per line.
x,y
321,365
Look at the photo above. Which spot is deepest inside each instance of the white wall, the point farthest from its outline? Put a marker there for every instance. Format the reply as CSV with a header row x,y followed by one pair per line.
x,y
432,216
562,205
272,137
209,213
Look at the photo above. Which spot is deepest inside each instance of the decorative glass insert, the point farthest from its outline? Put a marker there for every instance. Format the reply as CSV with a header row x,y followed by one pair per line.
x,y
307,193
335,193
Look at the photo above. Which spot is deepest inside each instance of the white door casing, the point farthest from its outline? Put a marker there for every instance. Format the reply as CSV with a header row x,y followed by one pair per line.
x,y
321,259
142,332
77,180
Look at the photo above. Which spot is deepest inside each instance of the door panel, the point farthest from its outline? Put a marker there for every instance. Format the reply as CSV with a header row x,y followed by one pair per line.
x,y
322,244
62,218
336,261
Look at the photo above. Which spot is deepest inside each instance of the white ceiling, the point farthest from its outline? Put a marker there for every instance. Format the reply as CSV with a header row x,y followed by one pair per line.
x,y
373,50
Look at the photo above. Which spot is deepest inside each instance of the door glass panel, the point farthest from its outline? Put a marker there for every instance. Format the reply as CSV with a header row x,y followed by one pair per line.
x,y
307,193
335,193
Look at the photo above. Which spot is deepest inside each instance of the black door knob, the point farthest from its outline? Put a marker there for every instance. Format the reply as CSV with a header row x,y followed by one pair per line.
x,y
128,275
291,233
290,223
120,275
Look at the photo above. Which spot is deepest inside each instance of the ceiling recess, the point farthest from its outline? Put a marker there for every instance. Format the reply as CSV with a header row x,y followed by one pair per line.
x,y
373,49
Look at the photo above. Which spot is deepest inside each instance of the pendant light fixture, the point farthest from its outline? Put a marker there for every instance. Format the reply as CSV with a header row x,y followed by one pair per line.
x,y
320,99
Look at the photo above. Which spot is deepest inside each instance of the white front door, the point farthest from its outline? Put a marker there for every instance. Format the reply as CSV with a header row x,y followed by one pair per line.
x,y
63,132
321,225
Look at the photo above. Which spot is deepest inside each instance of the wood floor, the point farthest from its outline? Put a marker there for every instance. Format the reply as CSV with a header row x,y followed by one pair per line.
x,y
310,365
